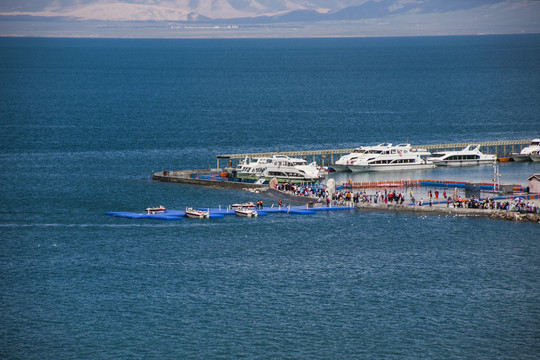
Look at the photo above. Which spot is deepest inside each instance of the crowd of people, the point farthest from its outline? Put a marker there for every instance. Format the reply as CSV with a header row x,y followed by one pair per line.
x,y
320,195
519,206
302,190
339,197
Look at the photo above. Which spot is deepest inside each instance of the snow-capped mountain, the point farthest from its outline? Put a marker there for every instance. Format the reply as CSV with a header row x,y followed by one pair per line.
x,y
243,10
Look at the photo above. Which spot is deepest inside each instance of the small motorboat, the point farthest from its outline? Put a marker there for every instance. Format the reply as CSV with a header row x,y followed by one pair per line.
x,y
246,212
197,214
248,205
156,210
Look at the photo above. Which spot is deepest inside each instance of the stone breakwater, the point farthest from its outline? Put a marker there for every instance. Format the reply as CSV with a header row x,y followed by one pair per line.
x,y
451,211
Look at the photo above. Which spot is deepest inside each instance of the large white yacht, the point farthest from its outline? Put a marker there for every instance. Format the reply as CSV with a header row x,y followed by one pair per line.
x,y
399,157
468,156
257,165
528,153
342,164
281,167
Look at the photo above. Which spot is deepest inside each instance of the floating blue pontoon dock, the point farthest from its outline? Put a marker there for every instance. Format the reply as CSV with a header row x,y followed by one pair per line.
x,y
221,213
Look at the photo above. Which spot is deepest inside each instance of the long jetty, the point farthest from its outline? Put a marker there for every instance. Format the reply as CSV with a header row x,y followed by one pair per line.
x,y
326,157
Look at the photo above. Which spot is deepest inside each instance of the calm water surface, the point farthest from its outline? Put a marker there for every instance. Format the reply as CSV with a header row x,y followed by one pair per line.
x,y
85,122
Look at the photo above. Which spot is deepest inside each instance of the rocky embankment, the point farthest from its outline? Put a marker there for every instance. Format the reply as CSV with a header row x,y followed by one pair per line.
x,y
515,216
451,211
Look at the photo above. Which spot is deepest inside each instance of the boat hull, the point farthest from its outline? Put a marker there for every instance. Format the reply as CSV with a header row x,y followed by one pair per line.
x,y
463,162
365,168
521,157
340,167
279,179
194,216
535,158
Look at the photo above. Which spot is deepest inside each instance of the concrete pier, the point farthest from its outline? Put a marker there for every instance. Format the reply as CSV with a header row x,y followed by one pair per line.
x,y
193,177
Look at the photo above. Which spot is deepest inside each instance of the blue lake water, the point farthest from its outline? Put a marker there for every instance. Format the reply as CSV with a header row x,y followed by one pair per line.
x,y
84,123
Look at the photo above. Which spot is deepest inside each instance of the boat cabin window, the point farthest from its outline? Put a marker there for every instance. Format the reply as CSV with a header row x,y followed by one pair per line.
x,y
463,157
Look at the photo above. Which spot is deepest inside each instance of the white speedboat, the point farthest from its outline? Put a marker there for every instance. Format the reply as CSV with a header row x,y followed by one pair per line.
x,y
342,164
246,212
156,209
399,157
464,157
248,205
527,153
197,214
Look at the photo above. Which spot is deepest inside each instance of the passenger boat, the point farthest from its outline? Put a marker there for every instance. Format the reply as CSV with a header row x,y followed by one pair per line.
x,y
527,153
197,214
398,157
248,205
156,210
342,164
281,167
464,157
246,212
258,164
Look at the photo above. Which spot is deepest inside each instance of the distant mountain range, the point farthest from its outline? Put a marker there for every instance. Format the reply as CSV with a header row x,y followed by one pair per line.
x,y
238,11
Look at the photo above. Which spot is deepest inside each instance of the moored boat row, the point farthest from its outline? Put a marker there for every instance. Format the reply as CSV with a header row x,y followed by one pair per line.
x,y
386,157
381,157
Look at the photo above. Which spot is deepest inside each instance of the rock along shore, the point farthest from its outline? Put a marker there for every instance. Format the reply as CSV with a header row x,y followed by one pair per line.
x,y
451,211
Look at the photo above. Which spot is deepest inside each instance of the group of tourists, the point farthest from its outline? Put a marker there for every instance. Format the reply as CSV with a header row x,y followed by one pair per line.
x,y
302,190
347,197
389,197
519,206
